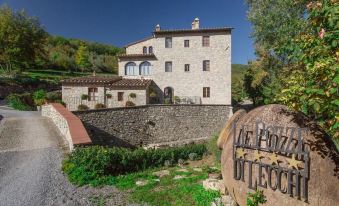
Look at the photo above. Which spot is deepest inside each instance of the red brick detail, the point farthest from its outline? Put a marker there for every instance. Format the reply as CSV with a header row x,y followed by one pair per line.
x,y
77,130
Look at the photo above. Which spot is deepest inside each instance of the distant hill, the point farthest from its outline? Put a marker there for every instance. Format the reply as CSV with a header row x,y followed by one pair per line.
x,y
61,55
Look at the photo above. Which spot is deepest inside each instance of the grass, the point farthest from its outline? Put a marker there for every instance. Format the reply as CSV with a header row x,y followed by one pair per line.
x,y
168,191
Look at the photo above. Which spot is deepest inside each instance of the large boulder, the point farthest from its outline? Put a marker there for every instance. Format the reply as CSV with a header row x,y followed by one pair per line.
x,y
281,152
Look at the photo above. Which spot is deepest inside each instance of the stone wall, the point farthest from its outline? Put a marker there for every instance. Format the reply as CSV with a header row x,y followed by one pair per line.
x,y
67,123
154,125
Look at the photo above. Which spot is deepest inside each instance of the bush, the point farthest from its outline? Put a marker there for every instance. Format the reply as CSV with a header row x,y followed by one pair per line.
x,y
129,104
100,106
84,97
213,149
55,96
92,164
39,97
83,107
23,102
132,95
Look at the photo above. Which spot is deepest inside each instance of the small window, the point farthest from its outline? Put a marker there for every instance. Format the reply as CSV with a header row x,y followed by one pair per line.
x,y
144,50
205,41
150,50
92,94
206,65
187,67
168,66
168,42
187,43
120,96
206,92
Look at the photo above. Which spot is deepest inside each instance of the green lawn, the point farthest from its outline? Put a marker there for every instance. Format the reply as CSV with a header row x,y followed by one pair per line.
x,y
187,191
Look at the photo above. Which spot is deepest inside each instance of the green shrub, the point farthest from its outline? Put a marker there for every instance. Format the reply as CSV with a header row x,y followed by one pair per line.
x,y
39,97
84,97
92,165
255,198
100,106
83,107
129,104
213,149
23,102
132,95
55,96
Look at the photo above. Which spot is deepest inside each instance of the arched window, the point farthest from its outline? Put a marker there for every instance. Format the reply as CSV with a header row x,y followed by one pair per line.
x,y
144,50
150,50
145,68
131,69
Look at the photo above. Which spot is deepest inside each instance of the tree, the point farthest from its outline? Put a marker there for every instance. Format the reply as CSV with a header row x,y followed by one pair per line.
x,y
311,85
275,24
82,58
22,40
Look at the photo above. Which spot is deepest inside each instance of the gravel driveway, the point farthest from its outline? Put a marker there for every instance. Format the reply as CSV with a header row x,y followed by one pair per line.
x,y
30,165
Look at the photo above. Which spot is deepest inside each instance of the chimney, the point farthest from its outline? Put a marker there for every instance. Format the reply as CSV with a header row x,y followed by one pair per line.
x,y
157,27
195,23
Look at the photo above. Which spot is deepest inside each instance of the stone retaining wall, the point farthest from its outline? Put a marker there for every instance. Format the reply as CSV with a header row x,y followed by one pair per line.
x,y
154,125
68,124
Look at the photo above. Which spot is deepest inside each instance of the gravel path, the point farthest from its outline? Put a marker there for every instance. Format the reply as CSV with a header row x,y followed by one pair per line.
x,y
30,165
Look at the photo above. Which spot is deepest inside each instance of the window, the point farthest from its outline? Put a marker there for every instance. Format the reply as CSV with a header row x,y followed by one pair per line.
x,y
206,41
145,68
168,66
131,69
206,92
92,94
120,96
187,67
187,43
168,42
144,50
150,50
206,65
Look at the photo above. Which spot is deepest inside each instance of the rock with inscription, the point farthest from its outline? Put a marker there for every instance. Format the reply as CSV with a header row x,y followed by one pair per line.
x,y
283,153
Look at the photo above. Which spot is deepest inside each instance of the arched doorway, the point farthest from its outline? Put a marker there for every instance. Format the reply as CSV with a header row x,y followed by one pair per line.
x,y
168,95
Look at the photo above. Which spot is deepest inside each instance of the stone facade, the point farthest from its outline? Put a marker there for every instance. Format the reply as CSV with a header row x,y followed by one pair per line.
x,y
154,125
187,83
71,95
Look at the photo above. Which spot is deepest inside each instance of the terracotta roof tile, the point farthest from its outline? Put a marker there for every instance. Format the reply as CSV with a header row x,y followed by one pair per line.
x,y
121,56
101,80
131,83
202,30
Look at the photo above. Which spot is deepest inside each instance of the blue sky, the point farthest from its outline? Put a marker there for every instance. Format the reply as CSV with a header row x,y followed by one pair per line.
x,y
119,22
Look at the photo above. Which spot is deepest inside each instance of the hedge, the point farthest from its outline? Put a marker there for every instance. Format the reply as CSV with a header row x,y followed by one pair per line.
x,y
86,165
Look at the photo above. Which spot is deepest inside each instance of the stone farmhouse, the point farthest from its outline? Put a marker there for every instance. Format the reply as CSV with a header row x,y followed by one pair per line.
x,y
181,66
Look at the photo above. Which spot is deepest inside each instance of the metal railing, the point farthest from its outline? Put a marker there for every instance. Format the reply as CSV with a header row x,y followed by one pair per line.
x,y
187,100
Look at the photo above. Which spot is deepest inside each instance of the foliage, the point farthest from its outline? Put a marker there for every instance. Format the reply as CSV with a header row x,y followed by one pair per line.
x,y
54,96
92,165
238,90
275,24
82,107
311,85
255,198
100,106
129,104
109,96
23,102
22,40
213,149
132,95
84,97
82,58
176,99
39,97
